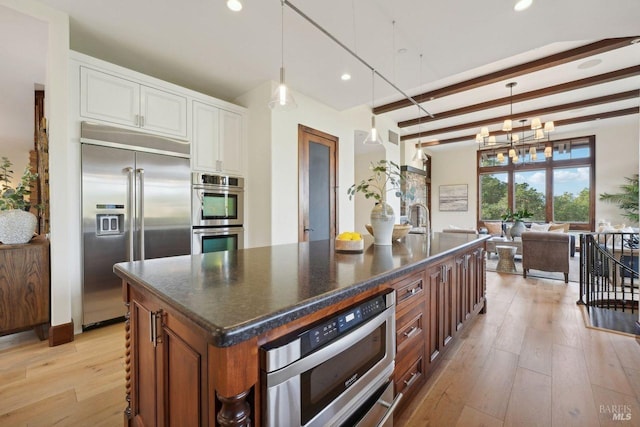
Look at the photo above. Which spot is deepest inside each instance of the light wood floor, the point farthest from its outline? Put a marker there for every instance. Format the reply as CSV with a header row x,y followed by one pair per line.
x,y
530,361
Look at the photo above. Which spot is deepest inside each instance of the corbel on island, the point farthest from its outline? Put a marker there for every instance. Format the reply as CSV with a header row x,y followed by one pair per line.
x,y
195,323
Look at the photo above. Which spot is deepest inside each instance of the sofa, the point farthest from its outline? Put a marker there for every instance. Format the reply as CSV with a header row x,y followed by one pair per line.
x,y
546,251
498,228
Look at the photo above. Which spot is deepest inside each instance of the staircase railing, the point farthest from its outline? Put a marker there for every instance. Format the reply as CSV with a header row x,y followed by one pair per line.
x,y
609,271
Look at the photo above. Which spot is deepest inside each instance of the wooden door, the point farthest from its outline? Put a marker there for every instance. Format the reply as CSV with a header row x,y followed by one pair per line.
x,y
317,184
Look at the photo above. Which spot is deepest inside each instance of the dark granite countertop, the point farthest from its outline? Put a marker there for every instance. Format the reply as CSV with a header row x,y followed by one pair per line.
x,y
238,295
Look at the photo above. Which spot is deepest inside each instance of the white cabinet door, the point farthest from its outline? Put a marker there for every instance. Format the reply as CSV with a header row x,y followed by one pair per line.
x,y
163,112
231,144
206,139
112,99
108,98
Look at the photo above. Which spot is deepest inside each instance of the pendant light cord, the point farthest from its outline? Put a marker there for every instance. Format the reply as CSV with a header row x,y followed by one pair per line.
x,y
282,33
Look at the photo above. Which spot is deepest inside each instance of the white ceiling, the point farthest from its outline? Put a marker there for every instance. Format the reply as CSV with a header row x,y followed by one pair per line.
x,y
202,45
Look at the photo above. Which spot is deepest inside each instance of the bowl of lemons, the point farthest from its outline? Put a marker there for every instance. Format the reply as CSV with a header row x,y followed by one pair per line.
x,y
349,241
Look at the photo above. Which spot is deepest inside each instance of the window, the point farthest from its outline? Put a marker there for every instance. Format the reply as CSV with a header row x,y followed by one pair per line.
x,y
554,189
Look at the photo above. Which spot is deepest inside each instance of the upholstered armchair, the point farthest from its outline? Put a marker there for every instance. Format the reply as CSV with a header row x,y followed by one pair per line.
x,y
546,251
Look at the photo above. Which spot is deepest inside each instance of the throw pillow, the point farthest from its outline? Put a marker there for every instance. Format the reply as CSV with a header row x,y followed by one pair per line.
x,y
494,228
559,228
539,227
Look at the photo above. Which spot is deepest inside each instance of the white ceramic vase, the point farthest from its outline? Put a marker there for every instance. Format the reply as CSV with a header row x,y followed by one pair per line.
x,y
517,229
382,220
17,226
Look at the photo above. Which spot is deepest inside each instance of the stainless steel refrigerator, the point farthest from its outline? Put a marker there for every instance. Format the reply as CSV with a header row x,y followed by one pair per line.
x,y
136,204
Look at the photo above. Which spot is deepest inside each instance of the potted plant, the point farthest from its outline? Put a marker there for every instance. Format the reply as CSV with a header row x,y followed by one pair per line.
x,y
516,217
17,225
385,177
627,199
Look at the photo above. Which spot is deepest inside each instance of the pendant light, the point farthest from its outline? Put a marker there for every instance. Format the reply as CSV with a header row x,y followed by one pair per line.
x,y
373,137
282,100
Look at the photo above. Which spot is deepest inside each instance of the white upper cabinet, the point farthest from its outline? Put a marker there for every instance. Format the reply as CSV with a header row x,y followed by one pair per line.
x,y
113,99
217,140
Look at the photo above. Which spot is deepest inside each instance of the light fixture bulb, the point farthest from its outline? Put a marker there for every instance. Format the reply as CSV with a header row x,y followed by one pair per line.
x,y
345,77
419,155
234,5
373,137
522,5
282,99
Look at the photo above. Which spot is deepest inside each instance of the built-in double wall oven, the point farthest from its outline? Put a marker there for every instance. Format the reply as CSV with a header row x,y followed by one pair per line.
x,y
336,372
217,213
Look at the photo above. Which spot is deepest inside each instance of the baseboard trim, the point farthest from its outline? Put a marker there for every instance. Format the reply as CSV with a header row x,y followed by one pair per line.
x,y
60,334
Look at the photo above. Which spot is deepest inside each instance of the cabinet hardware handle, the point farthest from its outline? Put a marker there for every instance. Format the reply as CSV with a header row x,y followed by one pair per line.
x,y
140,173
152,327
141,121
413,291
136,119
390,411
131,209
414,377
411,332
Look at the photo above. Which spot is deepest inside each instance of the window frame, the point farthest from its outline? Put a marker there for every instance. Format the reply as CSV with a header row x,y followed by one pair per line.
x,y
549,165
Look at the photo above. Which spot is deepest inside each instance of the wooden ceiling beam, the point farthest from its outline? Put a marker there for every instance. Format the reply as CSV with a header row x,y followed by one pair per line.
x,y
560,58
558,123
527,96
528,114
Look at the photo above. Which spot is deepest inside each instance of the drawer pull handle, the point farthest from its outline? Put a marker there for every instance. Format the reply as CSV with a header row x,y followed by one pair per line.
x,y
414,377
411,332
413,291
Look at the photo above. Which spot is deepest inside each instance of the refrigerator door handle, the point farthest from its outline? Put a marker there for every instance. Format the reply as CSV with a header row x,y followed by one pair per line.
x,y
132,222
140,173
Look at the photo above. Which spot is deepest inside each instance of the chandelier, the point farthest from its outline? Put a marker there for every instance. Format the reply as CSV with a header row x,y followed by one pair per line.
x,y
518,146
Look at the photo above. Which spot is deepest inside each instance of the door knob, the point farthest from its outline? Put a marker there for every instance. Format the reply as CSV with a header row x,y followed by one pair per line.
x,y
307,229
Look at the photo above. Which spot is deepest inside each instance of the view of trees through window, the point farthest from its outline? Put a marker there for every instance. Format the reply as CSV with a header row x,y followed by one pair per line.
x,y
557,189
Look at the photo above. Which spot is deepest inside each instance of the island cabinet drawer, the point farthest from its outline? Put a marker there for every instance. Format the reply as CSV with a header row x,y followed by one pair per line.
x,y
410,327
409,376
409,289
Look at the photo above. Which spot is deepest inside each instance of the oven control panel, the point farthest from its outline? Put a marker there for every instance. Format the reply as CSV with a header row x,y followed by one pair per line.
x,y
332,328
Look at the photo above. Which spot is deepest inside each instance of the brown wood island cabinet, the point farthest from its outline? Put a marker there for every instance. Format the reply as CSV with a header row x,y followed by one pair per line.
x,y
25,287
195,324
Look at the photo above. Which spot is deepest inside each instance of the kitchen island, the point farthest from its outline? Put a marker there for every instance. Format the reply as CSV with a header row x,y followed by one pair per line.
x,y
195,323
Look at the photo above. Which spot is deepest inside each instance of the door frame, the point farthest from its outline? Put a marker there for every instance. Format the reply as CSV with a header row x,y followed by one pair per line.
x,y
303,179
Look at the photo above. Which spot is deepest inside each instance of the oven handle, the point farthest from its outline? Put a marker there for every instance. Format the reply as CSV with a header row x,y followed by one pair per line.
x,y
391,407
214,232
325,353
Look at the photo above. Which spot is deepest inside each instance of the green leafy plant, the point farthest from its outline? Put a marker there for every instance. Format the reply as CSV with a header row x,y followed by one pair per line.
x,y
13,198
386,177
518,215
627,200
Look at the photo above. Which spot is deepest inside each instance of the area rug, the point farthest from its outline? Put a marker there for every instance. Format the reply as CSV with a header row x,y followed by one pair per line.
x,y
574,269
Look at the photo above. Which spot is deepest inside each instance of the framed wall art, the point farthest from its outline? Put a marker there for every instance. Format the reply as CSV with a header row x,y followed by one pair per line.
x,y
454,198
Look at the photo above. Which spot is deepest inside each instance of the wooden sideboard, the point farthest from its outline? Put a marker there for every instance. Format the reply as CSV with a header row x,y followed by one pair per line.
x,y
25,287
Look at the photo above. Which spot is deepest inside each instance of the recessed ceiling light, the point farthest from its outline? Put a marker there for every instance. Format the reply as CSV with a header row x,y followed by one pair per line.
x,y
234,5
345,76
522,5
590,64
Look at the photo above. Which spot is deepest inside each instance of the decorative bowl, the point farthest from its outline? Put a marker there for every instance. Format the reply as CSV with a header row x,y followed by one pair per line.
x,y
349,246
399,230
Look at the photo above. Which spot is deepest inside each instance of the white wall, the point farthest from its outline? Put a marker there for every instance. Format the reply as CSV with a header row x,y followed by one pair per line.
x,y
272,182
617,154
60,178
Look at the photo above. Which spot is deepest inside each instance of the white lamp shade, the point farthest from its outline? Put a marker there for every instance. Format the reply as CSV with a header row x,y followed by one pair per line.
x,y
548,151
484,132
532,150
419,156
539,134
536,123
373,137
507,125
515,138
492,140
549,127
515,159
534,157
479,138
282,100
500,157
512,153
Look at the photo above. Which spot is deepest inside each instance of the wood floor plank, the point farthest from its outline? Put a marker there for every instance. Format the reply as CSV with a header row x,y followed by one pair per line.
x,y
39,413
530,400
627,349
492,390
536,353
511,334
603,365
634,379
471,417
